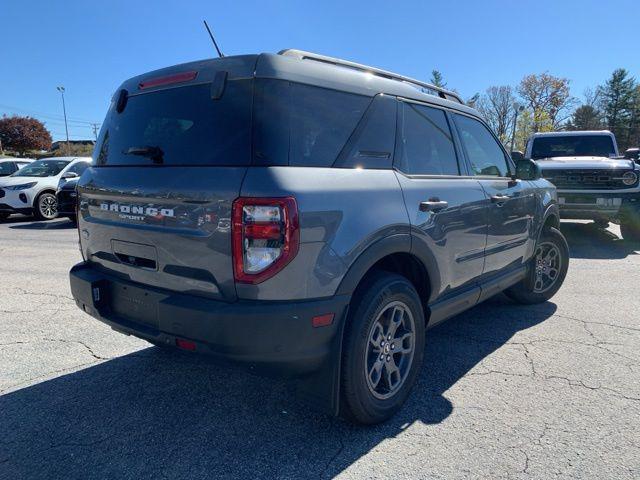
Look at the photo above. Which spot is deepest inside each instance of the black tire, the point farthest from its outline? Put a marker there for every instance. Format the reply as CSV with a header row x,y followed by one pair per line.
x,y
4,216
377,300
529,290
46,206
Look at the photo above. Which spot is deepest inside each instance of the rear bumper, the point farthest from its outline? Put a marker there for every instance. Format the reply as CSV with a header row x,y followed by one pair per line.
x,y
273,336
595,205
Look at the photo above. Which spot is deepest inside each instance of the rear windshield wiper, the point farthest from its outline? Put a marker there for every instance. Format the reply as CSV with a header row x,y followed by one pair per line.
x,y
154,153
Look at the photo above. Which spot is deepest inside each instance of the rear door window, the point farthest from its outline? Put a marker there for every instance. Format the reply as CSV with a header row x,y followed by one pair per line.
x,y
302,125
426,144
180,126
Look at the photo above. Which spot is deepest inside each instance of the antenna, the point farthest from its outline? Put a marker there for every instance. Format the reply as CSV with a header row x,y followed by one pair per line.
x,y
213,39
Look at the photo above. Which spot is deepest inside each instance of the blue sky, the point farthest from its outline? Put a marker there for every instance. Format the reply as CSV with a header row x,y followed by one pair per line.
x,y
90,47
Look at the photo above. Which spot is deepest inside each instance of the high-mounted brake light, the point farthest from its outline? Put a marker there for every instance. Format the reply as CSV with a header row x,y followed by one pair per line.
x,y
169,79
266,237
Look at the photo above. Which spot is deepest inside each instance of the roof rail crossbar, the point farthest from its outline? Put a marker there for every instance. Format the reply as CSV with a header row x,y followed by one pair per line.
x,y
422,86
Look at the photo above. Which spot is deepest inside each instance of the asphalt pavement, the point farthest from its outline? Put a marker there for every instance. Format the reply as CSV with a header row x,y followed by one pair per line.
x,y
506,391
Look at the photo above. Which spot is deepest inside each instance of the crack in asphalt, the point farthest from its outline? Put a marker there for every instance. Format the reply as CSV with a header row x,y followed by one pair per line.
x,y
61,340
330,461
612,325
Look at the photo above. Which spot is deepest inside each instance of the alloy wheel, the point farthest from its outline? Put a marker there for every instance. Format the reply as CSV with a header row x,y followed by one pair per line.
x,y
48,206
390,350
547,267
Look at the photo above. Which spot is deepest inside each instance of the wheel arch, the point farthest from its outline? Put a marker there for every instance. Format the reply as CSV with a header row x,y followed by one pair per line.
x,y
40,192
393,254
551,218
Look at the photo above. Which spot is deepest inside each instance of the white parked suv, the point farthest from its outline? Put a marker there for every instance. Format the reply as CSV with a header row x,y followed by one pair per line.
x,y
32,189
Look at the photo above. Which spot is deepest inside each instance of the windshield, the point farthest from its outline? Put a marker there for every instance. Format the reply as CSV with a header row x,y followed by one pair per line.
x,y
42,168
572,146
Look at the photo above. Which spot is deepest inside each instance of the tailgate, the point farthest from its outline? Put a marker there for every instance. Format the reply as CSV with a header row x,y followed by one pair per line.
x,y
167,227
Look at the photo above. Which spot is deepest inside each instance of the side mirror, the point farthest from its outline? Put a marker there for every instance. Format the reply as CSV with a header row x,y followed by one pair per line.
x,y
517,156
70,175
527,170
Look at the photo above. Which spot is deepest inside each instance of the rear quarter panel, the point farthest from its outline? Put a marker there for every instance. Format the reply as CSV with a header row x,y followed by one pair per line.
x,y
342,212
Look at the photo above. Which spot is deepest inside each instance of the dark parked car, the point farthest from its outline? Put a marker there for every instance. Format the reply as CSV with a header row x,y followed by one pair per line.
x,y
66,194
307,215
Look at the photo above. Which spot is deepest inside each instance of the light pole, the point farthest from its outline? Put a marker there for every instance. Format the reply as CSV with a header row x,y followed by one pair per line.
x,y
518,108
64,110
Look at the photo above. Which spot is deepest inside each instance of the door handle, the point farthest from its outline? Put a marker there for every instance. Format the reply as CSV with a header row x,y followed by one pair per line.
x,y
500,198
433,205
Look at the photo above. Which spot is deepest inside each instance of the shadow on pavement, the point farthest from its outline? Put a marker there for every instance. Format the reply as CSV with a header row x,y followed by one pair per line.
x,y
154,413
28,223
586,240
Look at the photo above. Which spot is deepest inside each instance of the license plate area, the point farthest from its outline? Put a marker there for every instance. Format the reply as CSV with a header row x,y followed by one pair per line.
x,y
134,304
583,200
590,200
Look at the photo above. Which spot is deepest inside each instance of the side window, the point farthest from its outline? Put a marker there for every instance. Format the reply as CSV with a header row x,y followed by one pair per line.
x,y
79,168
301,125
484,152
426,144
372,143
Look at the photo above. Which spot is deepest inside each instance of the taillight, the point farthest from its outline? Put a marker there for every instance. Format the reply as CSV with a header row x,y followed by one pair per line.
x,y
266,237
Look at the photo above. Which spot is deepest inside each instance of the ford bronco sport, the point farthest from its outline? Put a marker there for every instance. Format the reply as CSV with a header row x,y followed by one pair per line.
x,y
307,215
593,181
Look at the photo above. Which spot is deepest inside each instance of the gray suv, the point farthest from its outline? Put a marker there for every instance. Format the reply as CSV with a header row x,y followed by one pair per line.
x,y
309,216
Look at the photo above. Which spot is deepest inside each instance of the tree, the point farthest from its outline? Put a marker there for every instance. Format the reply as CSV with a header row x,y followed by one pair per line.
x,y
22,134
617,98
633,139
437,79
585,117
549,99
497,106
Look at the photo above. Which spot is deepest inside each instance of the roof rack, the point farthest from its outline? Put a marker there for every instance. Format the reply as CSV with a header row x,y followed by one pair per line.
x,y
422,86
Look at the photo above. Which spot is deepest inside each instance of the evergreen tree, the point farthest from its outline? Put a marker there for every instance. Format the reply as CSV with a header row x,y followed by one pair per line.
x,y
437,79
617,97
585,117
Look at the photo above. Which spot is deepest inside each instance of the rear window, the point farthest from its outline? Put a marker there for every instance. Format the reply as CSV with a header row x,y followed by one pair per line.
x,y
302,125
180,126
572,146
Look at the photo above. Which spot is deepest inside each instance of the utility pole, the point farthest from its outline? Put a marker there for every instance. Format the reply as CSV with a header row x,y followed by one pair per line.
x,y
64,110
518,108
95,130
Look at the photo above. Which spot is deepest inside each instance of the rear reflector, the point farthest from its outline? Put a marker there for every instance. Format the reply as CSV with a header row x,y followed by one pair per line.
x,y
185,344
322,320
169,79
